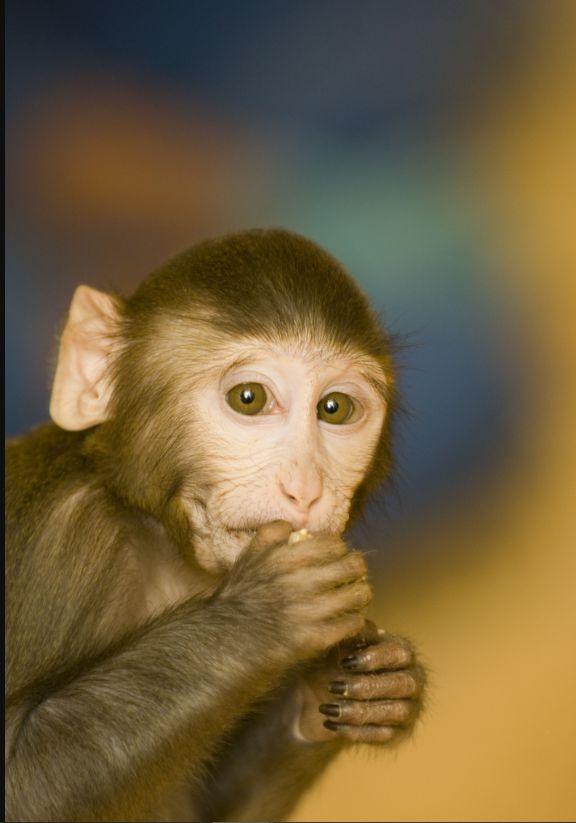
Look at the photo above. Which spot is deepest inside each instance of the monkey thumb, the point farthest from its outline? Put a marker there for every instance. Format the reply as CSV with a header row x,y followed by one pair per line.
x,y
271,534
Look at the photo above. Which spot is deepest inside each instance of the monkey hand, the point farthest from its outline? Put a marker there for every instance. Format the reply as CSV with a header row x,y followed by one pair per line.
x,y
313,590
367,690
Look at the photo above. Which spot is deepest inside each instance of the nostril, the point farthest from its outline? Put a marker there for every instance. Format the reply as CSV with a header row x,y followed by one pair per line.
x,y
302,501
288,494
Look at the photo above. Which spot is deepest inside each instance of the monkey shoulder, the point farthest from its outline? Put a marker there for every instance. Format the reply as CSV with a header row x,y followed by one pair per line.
x,y
50,491
81,568
38,464
69,581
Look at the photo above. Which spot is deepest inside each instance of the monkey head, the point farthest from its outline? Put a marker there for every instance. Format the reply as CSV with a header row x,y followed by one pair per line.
x,y
245,381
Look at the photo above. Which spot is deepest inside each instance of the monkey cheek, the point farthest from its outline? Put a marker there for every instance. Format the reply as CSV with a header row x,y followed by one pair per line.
x,y
213,557
217,553
206,558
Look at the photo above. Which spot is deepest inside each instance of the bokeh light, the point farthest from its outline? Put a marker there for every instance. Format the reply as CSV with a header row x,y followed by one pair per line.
x,y
429,144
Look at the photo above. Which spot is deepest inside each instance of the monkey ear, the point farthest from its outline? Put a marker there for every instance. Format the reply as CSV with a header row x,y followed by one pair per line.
x,y
82,388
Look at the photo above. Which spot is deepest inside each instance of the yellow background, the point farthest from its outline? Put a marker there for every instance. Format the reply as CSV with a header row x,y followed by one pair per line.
x,y
497,623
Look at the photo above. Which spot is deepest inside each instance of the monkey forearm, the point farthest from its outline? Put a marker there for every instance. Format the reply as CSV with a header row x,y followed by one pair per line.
x,y
144,715
266,768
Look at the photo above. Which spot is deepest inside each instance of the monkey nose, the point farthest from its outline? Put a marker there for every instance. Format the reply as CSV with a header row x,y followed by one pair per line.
x,y
301,499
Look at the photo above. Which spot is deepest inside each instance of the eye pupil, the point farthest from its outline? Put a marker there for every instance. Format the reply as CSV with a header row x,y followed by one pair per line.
x,y
337,408
247,398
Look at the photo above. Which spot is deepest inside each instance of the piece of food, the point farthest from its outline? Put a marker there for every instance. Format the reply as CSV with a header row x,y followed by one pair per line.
x,y
296,537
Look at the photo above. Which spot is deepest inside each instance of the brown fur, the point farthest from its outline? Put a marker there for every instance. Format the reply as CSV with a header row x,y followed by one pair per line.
x,y
139,689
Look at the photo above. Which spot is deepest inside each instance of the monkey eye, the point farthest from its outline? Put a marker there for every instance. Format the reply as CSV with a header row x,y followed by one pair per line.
x,y
247,398
337,408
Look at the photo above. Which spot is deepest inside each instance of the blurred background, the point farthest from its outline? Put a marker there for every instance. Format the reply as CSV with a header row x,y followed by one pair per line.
x,y
430,145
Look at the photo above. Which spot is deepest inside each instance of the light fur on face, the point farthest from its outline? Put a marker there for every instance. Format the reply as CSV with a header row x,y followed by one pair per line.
x,y
253,461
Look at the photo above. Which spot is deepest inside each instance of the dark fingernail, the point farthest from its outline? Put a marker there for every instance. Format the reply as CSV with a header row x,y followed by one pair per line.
x,y
351,662
331,709
360,644
329,724
337,687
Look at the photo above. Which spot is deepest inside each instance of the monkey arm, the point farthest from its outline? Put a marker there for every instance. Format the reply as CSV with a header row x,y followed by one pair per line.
x,y
101,731
109,716
114,733
264,768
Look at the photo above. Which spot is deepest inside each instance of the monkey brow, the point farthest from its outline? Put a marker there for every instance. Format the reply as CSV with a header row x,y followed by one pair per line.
x,y
241,361
379,384
373,375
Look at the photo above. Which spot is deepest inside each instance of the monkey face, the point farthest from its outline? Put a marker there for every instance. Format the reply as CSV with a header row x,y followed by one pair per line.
x,y
246,381
286,432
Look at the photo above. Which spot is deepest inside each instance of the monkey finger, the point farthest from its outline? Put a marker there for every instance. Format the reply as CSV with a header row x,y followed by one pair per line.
x,y
370,712
332,631
405,683
336,573
351,597
315,551
270,534
391,653
368,635
362,734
